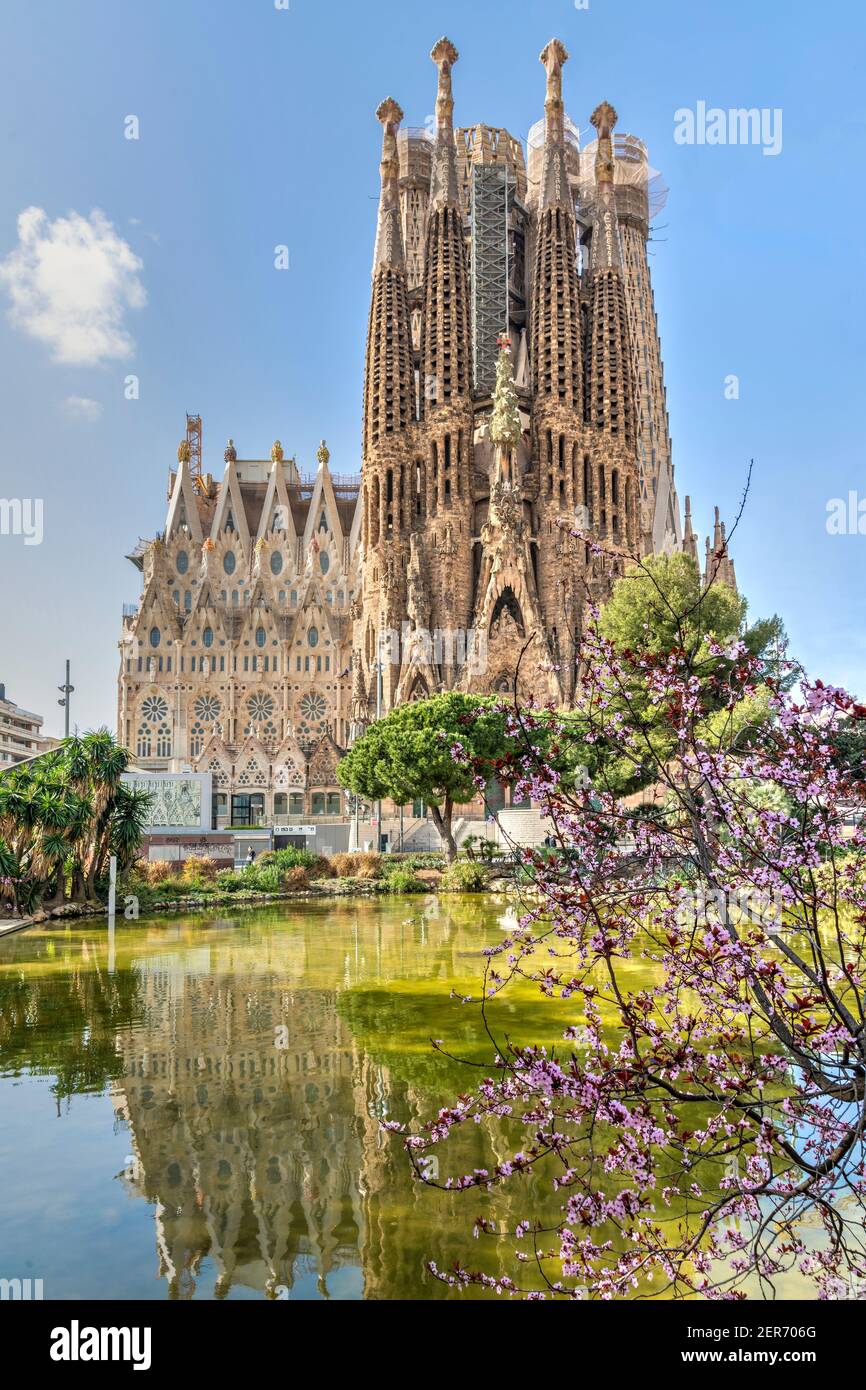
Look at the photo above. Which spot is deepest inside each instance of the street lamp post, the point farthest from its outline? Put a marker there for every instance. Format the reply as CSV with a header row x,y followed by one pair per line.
x,y
67,690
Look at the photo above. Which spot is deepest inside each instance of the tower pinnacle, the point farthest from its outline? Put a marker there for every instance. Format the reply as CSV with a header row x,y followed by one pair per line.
x,y
606,252
444,190
554,180
553,56
604,120
389,238
690,540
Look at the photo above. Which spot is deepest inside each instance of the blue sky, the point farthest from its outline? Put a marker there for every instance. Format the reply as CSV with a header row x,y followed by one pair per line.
x,y
257,128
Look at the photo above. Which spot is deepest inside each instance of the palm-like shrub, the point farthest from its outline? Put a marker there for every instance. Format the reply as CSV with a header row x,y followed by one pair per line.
x,y
62,817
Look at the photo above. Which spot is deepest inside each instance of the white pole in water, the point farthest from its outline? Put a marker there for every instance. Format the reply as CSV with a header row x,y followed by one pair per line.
x,y
112,899
112,887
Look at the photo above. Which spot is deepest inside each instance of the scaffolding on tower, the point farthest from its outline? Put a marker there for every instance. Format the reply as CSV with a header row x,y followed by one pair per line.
x,y
491,197
193,439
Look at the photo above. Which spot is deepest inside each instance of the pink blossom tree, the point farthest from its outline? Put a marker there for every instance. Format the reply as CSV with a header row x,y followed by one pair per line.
x,y
702,1133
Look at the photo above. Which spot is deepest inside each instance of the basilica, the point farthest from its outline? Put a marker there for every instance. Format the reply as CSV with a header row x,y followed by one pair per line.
x,y
515,457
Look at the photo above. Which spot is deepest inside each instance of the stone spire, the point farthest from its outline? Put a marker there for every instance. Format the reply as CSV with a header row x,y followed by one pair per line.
x,y
446,340
606,252
389,237
690,540
556,324
389,393
718,565
444,185
554,179
610,388
728,573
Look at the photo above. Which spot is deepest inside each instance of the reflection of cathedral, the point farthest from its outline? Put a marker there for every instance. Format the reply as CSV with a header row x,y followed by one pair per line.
x,y
254,1111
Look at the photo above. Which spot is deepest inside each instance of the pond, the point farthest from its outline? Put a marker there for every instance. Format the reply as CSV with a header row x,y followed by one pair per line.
x,y
194,1110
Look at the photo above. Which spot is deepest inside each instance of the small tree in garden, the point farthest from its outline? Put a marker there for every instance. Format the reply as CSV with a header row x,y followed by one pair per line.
x,y
701,1133
662,605
410,754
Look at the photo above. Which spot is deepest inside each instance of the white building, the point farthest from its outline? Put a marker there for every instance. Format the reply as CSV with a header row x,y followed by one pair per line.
x,y
20,732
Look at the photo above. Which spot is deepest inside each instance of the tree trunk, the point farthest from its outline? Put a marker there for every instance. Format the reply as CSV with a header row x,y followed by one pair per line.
x,y
442,820
77,890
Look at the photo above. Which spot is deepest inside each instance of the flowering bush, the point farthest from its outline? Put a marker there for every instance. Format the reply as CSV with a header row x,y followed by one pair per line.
x,y
703,1133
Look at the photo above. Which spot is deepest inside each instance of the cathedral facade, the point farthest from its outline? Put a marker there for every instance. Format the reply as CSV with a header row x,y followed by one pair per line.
x,y
237,659
515,455
516,451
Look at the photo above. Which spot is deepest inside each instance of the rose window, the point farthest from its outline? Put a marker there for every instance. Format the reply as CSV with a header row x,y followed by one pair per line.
x,y
207,708
313,711
260,706
313,706
154,708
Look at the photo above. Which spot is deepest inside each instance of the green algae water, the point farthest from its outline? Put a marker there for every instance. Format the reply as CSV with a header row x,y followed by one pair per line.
x,y
194,1109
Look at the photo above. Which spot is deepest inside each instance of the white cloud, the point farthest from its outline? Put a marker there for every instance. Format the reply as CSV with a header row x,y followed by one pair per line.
x,y
71,282
82,408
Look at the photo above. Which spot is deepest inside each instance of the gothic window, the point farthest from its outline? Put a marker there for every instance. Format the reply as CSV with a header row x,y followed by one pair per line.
x,y
142,747
207,637
197,738
251,775
229,562
154,636
324,562
281,805
261,637
182,562
296,804
216,769
276,562
333,802
154,708
187,601
163,741
313,636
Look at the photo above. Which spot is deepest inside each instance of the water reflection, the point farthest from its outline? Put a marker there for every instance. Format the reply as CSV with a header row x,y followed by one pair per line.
x,y
249,1064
